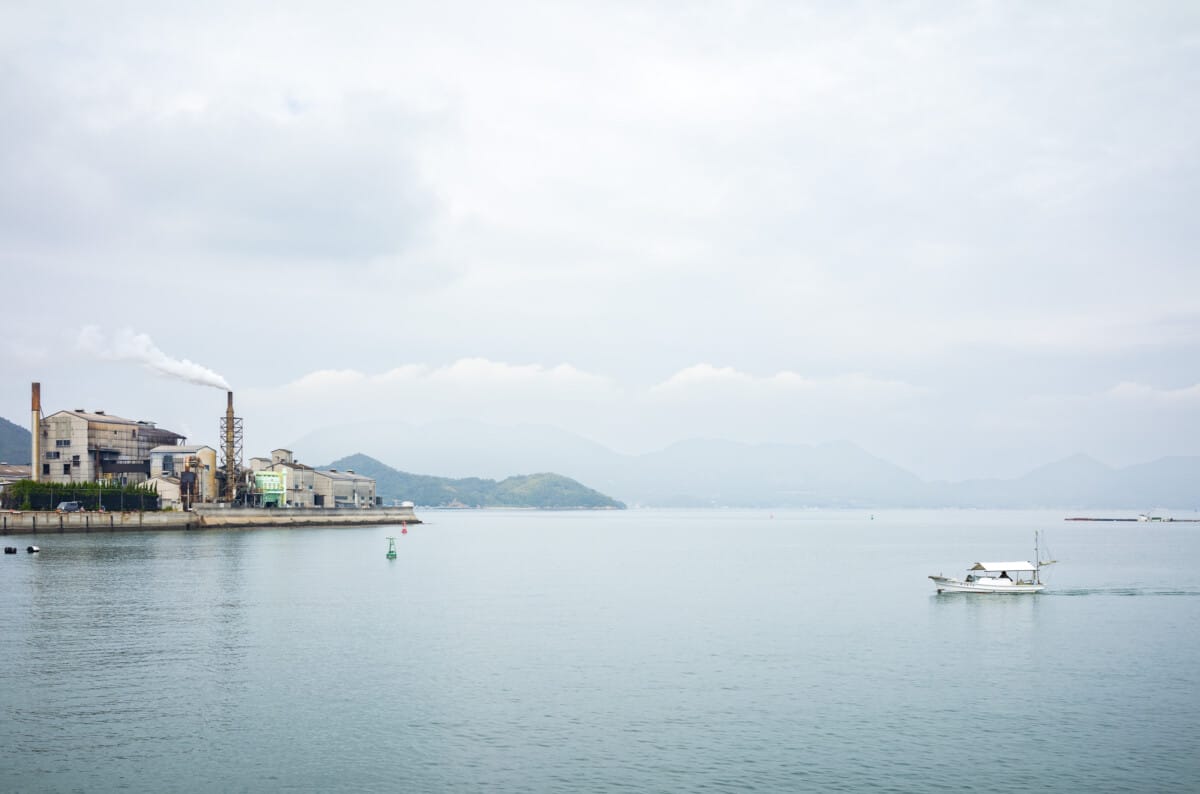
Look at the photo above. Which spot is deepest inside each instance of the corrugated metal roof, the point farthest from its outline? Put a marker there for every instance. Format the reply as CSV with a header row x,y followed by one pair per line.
x,y
95,417
111,419
343,475
293,465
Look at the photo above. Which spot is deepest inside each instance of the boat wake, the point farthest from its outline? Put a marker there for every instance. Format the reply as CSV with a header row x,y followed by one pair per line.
x,y
1121,591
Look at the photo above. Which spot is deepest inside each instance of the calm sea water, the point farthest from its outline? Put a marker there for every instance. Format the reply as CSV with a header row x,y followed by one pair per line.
x,y
580,652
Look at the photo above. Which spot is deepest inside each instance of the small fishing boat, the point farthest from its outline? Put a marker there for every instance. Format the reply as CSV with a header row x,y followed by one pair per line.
x,y
1012,577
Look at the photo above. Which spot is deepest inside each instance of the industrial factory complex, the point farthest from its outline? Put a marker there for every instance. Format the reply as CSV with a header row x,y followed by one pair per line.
x,y
76,447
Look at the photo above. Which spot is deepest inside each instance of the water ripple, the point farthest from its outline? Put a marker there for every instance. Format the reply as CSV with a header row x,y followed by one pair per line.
x,y
587,654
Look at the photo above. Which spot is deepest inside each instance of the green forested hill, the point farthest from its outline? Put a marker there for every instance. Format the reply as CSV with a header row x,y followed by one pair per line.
x,y
550,491
15,443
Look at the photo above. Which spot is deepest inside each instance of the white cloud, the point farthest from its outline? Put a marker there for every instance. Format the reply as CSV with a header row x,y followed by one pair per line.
x,y
468,373
482,373
1141,393
700,375
474,387
896,225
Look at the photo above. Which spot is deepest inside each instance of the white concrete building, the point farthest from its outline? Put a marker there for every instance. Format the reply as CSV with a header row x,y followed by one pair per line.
x,y
170,492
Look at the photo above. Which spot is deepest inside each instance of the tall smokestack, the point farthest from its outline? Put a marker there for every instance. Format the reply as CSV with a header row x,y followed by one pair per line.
x,y
230,467
231,449
35,425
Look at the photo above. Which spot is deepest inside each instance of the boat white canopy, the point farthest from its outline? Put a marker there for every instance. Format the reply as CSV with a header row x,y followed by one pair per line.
x,y
1020,565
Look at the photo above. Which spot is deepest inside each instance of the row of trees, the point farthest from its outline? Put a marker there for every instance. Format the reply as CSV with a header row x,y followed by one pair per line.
x,y
30,495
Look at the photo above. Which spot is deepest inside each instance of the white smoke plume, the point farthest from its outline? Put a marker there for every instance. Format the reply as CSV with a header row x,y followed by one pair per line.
x,y
125,345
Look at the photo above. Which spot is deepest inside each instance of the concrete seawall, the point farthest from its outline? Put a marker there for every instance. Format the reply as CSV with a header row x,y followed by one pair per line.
x,y
206,517
317,517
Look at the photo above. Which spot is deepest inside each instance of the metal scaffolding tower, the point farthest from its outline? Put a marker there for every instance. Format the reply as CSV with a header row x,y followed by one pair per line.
x,y
231,449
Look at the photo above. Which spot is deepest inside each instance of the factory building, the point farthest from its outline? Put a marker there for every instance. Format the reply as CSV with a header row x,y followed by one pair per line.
x,y
309,487
83,446
347,489
184,474
299,481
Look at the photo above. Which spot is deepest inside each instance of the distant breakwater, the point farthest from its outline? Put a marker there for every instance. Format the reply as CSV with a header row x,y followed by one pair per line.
x,y
1139,520
201,517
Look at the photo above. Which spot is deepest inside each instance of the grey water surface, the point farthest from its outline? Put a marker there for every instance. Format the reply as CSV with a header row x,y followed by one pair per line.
x,y
603,651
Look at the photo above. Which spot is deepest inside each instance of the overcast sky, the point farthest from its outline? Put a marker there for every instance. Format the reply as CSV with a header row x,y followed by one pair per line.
x,y
961,235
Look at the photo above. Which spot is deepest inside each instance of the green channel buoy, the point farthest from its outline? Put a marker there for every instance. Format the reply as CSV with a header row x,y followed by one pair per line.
x,y
391,555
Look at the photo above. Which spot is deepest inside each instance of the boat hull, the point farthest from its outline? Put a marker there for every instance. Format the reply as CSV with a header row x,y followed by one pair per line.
x,y
947,584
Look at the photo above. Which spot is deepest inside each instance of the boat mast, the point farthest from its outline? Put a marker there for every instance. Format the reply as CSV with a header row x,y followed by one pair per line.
x,y
1037,558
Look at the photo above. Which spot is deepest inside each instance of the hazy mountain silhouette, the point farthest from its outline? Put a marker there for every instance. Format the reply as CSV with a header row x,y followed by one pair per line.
x,y
542,490
15,443
712,472
702,472
455,449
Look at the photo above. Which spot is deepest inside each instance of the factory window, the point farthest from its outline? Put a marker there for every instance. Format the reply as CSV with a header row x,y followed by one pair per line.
x,y
66,468
53,455
62,442
46,469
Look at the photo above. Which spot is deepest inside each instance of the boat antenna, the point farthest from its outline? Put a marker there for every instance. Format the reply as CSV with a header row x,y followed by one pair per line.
x,y
1038,555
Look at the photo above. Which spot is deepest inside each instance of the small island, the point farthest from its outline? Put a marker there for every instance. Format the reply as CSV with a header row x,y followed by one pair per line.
x,y
533,491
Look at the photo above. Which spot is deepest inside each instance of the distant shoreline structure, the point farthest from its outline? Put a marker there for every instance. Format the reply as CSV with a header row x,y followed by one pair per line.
x,y
207,517
1138,520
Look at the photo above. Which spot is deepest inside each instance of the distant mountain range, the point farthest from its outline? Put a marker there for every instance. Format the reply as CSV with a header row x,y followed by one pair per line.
x,y
701,473
15,443
550,491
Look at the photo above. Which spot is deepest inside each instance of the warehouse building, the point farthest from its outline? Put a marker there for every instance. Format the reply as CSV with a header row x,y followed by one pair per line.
x,y
83,446
347,489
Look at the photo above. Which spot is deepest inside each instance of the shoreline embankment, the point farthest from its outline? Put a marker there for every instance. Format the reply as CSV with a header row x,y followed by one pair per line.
x,y
38,522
